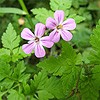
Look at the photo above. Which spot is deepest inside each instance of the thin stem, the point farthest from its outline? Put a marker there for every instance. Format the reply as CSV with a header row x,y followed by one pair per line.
x,y
21,2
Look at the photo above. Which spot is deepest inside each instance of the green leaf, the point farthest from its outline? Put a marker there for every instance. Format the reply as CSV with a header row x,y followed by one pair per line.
x,y
19,72
40,79
42,16
95,42
96,76
93,5
12,10
26,89
7,83
5,75
5,55
88,90
20,68
61,64
81,36
14,95
54,86
5,70
44,95
60,4
10,39
18,53
49,86
77,18
89,85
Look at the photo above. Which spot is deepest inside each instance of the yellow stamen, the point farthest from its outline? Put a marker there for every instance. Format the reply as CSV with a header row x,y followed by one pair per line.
x,y
59,27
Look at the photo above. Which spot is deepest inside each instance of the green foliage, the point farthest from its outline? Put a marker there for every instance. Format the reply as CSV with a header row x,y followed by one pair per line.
x,y
42,16
14,95
95,42
10,39
60,4
89,84
61,64
50,87
70,70
12,10
77,18
12,77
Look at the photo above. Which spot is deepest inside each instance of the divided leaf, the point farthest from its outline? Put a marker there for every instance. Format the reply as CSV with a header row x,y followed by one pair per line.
x,y
77,18
60,4
15,95
95,42
10,39
42,16
61,64
50,87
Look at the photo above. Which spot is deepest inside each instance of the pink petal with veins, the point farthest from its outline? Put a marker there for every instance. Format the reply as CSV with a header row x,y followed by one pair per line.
x,y
59,16
66,35
54,36
27,34
47,42
28,48
39,29
69,24
39,51
50,23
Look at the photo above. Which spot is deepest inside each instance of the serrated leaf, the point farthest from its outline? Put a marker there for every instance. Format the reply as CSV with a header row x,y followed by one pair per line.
x,y
5,70
95,42
19,74
77,18
96,76
60,4
20,68
14,95
81,36
5,55
47,96
26,89
40,79
42,16
12,10
7,83
44,85
88,90
62,64
10,39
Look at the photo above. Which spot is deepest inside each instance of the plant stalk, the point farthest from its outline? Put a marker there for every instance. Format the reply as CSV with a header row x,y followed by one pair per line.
x,y
21,2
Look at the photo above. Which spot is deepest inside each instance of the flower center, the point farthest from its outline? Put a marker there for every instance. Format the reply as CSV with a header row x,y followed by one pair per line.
x,y
36,39
59,27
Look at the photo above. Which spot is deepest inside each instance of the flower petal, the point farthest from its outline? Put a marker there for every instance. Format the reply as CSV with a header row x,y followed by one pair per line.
x,y
69,24
39,29
46,42
66,35
59,16
39,51
50,23
54,36
27,34
28,48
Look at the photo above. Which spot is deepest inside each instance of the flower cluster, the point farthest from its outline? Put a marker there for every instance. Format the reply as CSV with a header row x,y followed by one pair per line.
x,y
58,28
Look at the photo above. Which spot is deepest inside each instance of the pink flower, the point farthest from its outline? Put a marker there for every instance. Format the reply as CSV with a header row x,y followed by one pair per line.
x,y
36,41
59,27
